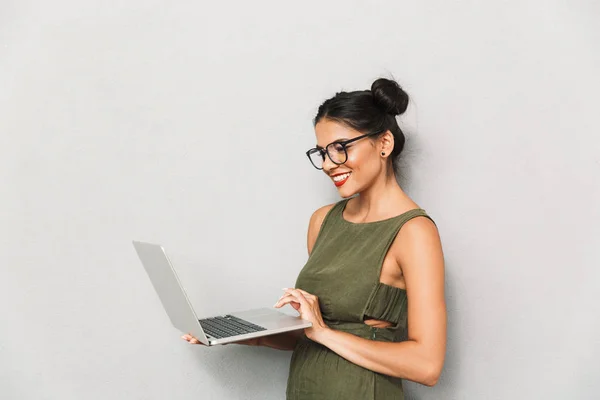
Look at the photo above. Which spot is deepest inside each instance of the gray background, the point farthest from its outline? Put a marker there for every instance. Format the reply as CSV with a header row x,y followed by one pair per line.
x,y
186,123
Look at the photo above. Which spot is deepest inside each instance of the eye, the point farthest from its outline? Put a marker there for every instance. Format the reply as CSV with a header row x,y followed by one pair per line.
x,y
338,147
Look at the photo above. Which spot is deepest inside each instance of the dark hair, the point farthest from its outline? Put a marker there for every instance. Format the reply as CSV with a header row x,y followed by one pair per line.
x,y
369,111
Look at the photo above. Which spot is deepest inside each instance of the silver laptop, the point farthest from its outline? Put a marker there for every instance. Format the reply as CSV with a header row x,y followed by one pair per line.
x,y
219,329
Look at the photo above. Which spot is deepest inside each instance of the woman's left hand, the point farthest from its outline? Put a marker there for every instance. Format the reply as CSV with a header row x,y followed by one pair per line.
x,y
308,307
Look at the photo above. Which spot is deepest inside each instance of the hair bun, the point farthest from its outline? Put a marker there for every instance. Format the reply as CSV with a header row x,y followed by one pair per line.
x,y
389,96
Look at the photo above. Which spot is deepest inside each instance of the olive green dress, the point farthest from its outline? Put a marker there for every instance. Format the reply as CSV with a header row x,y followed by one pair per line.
x,y
343,270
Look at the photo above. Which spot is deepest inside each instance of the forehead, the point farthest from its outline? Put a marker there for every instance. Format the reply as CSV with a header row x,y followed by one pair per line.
x,y
328,131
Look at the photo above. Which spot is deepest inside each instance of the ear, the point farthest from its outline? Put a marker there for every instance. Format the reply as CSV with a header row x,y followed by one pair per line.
x,y
386,143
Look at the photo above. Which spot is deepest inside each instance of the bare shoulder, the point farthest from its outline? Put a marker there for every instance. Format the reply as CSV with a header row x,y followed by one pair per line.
x,y
418,252
417,235
418,226
314,226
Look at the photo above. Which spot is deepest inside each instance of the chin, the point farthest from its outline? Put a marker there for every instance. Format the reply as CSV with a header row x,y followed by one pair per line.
x,y
346,192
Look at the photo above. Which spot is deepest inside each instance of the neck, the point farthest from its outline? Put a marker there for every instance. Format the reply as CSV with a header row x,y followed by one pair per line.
x,y
384,196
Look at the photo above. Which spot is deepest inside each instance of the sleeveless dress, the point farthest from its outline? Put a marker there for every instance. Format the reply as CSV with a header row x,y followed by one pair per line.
x,y
343,270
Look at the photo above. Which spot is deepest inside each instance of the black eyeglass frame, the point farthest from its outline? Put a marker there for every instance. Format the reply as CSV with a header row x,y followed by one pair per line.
x,y
343,143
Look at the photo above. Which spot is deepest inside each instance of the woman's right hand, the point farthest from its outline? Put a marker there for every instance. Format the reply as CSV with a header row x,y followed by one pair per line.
x,y
191,339
248,342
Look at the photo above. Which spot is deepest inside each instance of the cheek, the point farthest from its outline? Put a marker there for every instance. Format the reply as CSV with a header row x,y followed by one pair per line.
x,y
359,161
365,169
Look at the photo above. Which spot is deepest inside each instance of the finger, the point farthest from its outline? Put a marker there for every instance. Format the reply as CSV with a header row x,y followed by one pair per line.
x,y
298,296
295,290
188,337
291,302
283,302
287,300
286,295
295,305
305,293
282,297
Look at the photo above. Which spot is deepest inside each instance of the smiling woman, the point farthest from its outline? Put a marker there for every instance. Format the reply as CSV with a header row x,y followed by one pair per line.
x,y
373,285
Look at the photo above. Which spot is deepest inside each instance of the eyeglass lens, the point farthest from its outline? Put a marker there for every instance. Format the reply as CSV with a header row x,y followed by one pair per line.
x,y
337,154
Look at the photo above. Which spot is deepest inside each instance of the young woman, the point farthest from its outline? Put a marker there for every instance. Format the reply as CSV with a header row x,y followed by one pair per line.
x,y
373,285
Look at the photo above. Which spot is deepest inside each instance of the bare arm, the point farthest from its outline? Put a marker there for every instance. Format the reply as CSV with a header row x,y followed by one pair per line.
x,y
420,359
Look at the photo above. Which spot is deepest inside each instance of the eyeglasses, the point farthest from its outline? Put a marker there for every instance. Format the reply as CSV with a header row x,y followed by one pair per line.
x,y
336,151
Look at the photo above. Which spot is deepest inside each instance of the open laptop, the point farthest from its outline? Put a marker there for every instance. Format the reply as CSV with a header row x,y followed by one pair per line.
x,y
214,330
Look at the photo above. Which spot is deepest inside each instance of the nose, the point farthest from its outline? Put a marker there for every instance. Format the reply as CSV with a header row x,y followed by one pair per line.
x,y
328,165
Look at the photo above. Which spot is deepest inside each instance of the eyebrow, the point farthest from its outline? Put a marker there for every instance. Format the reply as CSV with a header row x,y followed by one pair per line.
x,y
335,141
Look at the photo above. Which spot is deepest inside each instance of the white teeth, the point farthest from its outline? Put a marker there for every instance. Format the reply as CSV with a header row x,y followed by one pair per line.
x,y
339,178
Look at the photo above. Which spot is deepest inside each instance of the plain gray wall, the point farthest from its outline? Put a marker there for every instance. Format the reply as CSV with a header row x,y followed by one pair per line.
x,y
186,124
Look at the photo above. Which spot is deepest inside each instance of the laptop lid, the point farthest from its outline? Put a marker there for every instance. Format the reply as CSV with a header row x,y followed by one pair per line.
x,y
169,289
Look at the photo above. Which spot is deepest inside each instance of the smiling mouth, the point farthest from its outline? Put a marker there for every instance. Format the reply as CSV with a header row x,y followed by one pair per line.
x,y
339,180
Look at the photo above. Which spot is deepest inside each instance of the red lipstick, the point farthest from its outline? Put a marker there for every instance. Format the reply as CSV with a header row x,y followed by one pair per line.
x,y
340,183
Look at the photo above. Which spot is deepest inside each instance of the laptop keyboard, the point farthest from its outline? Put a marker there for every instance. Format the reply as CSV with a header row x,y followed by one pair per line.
x,y
227,326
